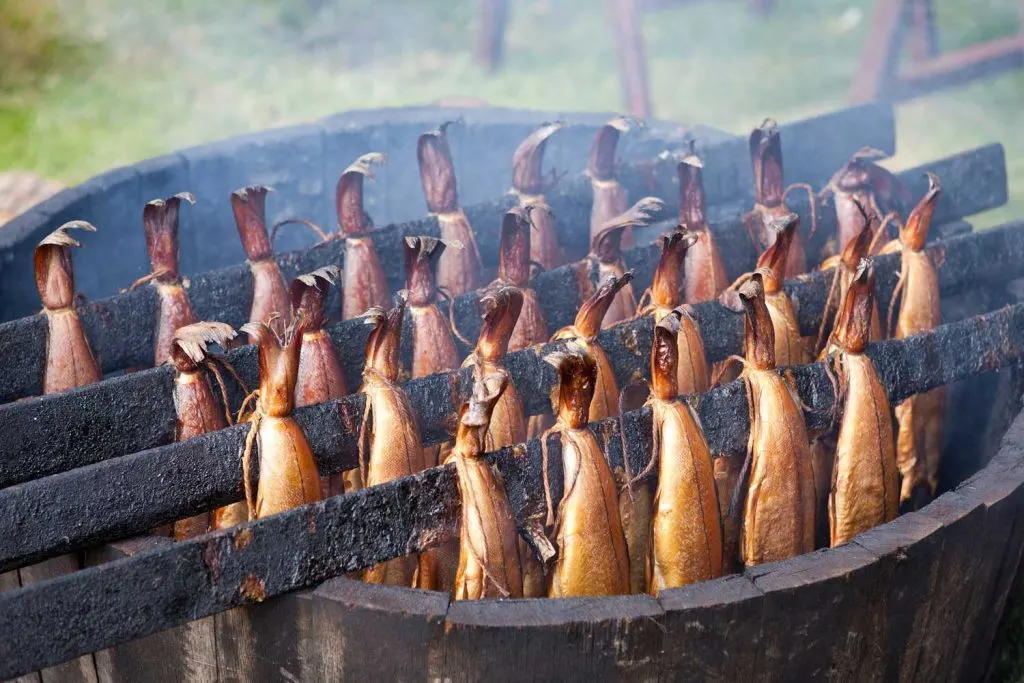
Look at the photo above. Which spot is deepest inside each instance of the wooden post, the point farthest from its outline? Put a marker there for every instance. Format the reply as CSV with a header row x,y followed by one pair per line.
x,y
879,60
624,16
490,44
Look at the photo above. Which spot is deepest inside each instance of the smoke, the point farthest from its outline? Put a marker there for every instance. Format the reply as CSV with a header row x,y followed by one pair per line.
x,y
166,74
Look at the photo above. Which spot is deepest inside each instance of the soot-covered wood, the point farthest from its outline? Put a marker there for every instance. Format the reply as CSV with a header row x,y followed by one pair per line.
x,y
134,412
120,328
102,606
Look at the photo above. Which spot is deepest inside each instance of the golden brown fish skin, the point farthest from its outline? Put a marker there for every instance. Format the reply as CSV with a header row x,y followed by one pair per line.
x,y
269,293
778,515
685,543
458,270
528,186
488,565
364,283
920,417
706,276
789,345
394,448
610,199
849,261
288,473
320,377
514,270
592,557
693,373
70,361
605,401
606,256
196,408
865,481
160,224
501,305
769,190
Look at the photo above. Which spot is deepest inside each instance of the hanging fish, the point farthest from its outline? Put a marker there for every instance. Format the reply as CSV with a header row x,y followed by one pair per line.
x,y
197,409
845,266
610,198
70,362
389,440
861,188
288,473
269,293
584,330
458,271
693,376
501,305
488,541
605,258
778,514
790,348
365,285
920,417
514,270
789,345
865,479
705,273
320,375
160,224
685,543
529,185
770,198
592,557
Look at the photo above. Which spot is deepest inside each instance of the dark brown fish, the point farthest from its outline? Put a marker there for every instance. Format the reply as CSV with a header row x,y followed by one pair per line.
x,y
705,273
269,293
70,361
160,223
529,185
365,285
606,256
198,410
458,271
320,375
610,198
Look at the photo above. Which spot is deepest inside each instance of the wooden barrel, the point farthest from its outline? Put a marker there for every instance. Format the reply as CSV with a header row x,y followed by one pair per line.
x,y
916,599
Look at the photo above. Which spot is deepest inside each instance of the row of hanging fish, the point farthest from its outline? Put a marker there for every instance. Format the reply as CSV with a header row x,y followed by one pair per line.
x,y
610,536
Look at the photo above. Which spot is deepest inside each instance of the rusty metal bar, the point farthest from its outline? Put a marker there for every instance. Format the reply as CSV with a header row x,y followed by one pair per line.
x,y
116,497
100,607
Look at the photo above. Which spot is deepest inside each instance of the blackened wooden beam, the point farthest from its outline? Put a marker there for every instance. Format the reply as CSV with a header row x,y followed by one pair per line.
x,y
135,412
120,327
117,497
154,590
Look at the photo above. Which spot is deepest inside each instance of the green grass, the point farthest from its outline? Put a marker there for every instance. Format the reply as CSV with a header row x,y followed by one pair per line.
x,y
126,79
163,75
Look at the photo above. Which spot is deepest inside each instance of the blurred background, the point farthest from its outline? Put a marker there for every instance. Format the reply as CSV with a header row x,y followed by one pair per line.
x,y
86,85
